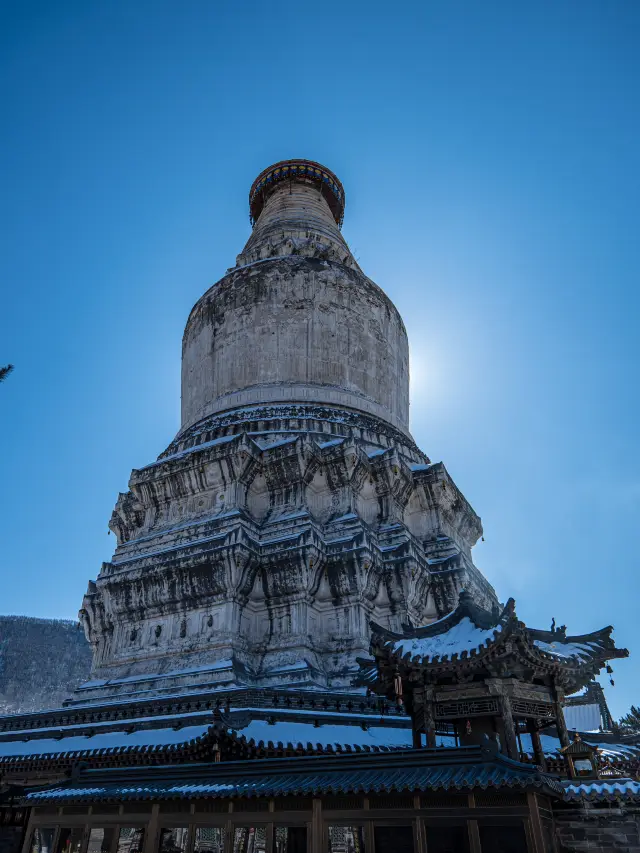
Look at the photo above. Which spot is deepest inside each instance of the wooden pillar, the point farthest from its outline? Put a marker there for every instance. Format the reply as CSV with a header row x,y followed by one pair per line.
x,y
509,726
561,725
315,845
419,833
413,706
150,844
472,828
229,840
429,716
536,824
26,839
538,753
369,840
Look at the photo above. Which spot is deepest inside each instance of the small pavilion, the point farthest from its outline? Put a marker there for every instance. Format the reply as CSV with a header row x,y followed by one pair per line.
x,y
476,674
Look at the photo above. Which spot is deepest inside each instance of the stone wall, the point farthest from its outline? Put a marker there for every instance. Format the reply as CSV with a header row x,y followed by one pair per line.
x,y
598,830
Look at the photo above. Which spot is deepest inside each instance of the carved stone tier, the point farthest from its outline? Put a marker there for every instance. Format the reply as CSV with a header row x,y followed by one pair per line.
x,y
259,554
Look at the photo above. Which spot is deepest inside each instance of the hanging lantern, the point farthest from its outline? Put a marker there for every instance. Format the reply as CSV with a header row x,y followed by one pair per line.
x,y
468,727
613,684
609,669
397,687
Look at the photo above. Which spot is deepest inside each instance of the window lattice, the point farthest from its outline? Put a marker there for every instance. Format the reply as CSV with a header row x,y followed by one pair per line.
x,y
532,709
467,708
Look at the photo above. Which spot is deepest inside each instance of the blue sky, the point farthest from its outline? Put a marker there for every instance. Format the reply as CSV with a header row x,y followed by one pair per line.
x,y
489,153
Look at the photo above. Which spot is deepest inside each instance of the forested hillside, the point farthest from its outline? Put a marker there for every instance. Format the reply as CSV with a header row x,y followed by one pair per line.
x,y
41,661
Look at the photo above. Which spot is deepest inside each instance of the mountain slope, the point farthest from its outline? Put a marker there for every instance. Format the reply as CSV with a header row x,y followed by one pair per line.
x,y
41,662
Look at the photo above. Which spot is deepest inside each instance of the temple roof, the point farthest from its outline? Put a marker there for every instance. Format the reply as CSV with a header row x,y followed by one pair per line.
x,y
474,639
460,769
195,736
624,789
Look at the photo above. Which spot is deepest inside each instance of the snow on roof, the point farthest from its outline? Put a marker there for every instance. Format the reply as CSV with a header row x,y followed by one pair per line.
x,y
377,451
462,637
326,735
269,444
174,673
551,747
104,740
332,443
593,790
582,651
173,719
198,447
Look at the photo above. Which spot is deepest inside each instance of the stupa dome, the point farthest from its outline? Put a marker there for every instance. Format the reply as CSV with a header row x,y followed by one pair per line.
x,y
296,321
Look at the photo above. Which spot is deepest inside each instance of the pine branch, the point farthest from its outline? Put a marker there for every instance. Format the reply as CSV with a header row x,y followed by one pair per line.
x,y
631,721
5,371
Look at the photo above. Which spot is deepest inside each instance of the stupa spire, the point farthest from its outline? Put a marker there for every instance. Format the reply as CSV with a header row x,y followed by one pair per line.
x,y
296,208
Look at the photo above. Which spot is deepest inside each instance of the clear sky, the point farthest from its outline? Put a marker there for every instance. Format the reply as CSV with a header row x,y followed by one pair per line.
x,y
489,152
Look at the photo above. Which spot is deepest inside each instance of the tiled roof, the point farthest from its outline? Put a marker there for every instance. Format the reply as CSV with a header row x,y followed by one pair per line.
x,y
469,636
293,734
624,789
408,770
104,742
251,733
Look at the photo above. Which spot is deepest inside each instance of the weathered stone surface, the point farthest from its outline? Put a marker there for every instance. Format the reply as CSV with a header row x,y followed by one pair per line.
x,y
295,323
293,507
598,830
